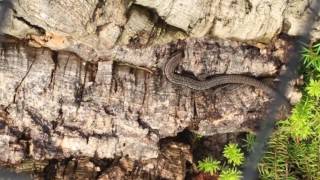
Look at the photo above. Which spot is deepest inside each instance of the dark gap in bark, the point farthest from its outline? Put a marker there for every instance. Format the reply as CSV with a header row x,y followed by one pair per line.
x,y
145,83
213,145
78,93
24,77
114,77
78,130
65,163
185,137
59,119
194,104
66,64
106,165
80,85
190,171
145,125
109,110
38,120
99,5
55,59
50,170
248,6
23,137
88,135
159,28
103,164
36,27
91,69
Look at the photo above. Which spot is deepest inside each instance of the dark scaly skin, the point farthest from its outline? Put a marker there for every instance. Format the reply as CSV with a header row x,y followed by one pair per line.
x,y
173,62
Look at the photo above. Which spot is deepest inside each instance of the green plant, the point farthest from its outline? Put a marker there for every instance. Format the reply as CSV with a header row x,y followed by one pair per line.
x,y
311,57
233,154
313,88
249,141
275,161
305,156
208,165
300,125
294,149
230,174
234,157
197,137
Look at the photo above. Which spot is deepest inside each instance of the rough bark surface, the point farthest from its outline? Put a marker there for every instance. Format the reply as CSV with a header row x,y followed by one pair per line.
x,y
94,26
69,107
85,78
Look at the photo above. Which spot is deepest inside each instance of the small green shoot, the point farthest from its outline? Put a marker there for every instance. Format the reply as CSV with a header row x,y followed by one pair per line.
x,y
230,174
249,141
209,165
198,137
311,58
313,88
233,154
300,127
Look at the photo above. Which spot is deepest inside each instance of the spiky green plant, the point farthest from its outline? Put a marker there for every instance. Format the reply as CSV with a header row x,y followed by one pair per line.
x,y
249,141
233,154
311,58
234,157
304,156
275,161
209,165
197,137
300,120
313,88
294,149
230,174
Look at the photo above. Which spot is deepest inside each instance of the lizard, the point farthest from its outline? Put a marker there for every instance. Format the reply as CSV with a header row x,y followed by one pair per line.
x,y
200,85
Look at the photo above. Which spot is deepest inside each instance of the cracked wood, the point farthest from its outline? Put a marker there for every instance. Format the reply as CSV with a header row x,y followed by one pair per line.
x,y
70,107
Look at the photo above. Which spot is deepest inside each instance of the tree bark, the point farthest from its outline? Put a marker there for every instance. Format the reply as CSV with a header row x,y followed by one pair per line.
x,y
84,79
